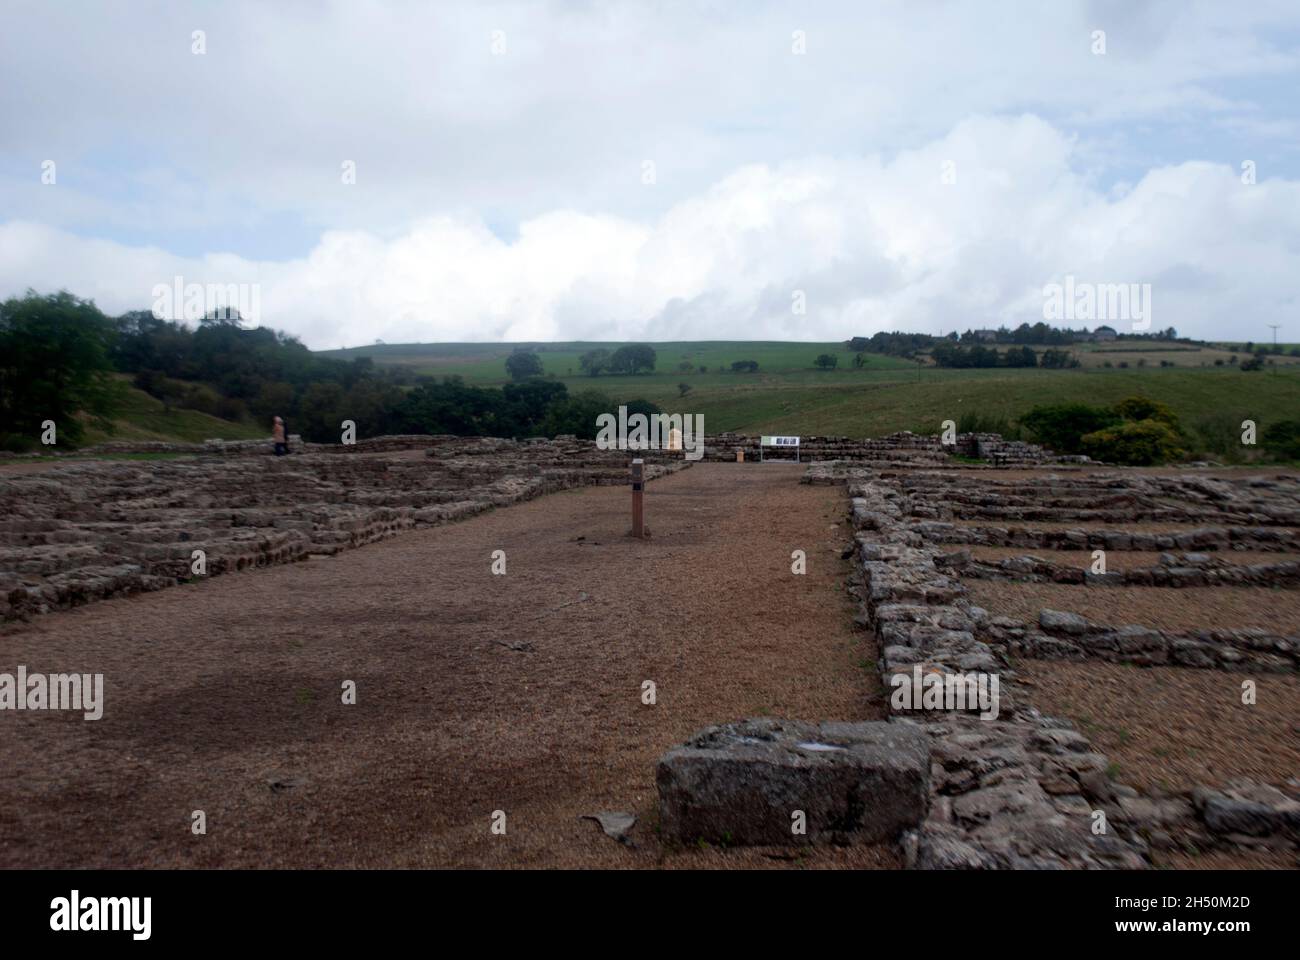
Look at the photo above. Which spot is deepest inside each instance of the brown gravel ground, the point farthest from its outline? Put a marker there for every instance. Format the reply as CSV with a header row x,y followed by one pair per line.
x,y
216,691
1120,559
1275,609
1173,728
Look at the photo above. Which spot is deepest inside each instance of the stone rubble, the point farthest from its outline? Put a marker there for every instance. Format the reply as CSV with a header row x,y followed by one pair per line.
x,y
88,530
1025,790
750,782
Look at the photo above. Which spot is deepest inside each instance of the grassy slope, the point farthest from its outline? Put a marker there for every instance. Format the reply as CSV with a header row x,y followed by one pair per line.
x,y
144,418
788,396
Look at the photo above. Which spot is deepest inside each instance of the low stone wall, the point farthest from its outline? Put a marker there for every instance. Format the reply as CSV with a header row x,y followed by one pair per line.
x,y
1022,790
1018,791
1174,570
1011,453
1198,540
1059,635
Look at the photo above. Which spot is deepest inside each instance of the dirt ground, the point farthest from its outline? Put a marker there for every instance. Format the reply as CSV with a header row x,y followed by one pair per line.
x,y
475,692
1274,609
1174,728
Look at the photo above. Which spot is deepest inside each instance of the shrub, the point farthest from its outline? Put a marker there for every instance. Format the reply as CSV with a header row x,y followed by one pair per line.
x,y
1136,442
1142,408
1282,439
1061,427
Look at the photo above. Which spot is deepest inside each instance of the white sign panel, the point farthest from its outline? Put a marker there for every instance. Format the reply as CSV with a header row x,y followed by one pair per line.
x,y
780,441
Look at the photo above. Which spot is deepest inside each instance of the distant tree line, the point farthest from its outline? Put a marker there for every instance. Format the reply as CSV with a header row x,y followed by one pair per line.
x,y
908,345
62,359
631,359
948,354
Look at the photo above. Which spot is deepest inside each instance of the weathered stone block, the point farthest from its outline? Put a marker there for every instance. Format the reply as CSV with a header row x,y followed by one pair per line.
x,y
742,782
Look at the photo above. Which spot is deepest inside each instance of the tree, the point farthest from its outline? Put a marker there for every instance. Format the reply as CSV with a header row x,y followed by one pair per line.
x,y
859,361
632,358
1020,357
1054,359
594,361
683,389
54,365
745,366
826,361
523,364
1061,427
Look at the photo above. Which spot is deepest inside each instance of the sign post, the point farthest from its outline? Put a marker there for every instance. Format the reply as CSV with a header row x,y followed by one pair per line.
x,y
638,493
785,443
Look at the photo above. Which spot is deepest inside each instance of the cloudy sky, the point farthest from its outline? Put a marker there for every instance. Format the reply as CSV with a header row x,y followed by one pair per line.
x,y
608,171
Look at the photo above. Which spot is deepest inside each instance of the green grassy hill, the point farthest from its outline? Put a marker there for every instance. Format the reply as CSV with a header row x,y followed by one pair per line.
x,y
787,395
142,417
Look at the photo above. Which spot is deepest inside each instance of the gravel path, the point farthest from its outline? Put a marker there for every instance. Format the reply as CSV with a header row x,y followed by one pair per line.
x,y
475,692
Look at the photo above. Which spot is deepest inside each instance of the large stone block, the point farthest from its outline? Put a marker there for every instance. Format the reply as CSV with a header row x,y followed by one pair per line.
x,y
741,783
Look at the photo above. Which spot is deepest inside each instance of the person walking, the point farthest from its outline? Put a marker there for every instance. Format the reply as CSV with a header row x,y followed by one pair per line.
x,y
280,438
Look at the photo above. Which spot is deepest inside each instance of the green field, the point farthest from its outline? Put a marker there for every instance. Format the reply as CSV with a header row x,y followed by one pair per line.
x,y
787,395
141,417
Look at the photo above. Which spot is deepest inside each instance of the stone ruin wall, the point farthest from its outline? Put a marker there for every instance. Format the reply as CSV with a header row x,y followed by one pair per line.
x,y
1021,791
904,448
88,530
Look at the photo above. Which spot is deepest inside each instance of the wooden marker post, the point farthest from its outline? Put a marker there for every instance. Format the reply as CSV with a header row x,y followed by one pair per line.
x,y
638,493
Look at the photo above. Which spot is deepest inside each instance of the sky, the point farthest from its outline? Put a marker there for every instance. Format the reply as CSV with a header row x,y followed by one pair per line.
x,y
490,171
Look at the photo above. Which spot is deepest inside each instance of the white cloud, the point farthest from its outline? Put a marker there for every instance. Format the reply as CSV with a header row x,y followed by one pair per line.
x,y
875,242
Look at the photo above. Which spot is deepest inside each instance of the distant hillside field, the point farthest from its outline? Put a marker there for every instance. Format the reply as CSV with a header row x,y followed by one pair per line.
x,y
144,418
787,395
484,363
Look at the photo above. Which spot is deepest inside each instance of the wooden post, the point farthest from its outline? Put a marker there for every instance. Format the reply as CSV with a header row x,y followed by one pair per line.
x,y
638,494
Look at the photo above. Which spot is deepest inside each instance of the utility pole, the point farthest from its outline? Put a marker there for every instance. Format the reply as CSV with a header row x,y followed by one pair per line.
x,y
1275,350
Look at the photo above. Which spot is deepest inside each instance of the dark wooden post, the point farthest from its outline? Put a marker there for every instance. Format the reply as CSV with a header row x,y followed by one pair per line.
x,y
638,493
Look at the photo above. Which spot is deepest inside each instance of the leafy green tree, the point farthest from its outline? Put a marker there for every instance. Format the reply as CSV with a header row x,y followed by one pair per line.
x,y
826,361
523,364
633,358
54,365
1061,427
593,362
321,413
